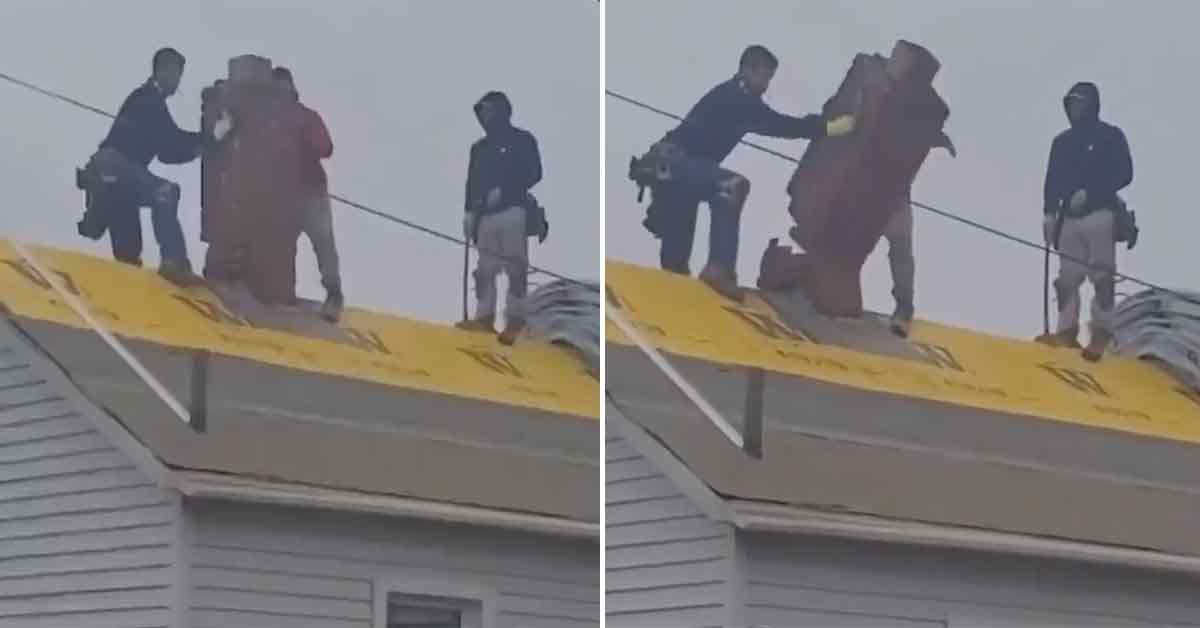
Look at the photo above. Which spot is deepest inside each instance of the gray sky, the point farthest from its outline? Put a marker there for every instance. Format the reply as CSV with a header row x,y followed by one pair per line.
x,y
1005,67
394,80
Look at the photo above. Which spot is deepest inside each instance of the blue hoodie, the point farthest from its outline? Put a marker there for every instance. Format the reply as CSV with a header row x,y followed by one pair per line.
x,y
1092,155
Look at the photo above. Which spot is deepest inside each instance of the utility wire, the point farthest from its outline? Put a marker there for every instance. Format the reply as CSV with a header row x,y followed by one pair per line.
x,y
341,199
940,212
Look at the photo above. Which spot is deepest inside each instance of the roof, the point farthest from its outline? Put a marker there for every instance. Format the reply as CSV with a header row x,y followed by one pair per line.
x,y
405,409
954,427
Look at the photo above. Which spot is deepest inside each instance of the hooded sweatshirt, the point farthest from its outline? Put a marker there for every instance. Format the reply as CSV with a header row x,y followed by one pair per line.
x,y
1092,155
506,157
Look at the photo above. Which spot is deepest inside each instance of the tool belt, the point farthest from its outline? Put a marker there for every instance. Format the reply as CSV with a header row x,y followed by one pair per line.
x,y
536,224
100,190
1125,227
654,167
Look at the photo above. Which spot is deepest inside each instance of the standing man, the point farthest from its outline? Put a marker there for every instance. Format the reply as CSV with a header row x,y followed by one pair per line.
x,y
687,163
901,257
315,144
1089,163
504,165
143,131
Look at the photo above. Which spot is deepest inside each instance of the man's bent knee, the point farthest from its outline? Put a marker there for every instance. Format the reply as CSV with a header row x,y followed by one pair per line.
x,y
734,190
167,196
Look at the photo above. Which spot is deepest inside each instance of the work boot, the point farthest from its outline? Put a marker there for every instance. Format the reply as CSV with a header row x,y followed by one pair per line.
x,y
481,324
331,309
512,329
902,318
1067,338
179,272
1096,346
722,281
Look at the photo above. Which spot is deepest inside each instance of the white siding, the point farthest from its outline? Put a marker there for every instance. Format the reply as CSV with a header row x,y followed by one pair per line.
x,y
263,566
667,563
85,538
800,581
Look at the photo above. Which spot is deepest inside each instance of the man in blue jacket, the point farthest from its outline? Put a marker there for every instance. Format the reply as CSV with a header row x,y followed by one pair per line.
x,y
686,167
1089,163
143,131
505,163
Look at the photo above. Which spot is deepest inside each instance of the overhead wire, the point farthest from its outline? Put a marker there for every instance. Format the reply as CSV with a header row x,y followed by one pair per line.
x,y
341,199
929,208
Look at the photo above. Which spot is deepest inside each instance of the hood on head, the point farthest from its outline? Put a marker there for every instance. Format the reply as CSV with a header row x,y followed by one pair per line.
x,y
1090,94
501,102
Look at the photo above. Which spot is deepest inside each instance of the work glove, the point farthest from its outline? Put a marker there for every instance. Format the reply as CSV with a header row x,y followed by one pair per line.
x,y
223,125
470,219
840,125
493,198
1078,199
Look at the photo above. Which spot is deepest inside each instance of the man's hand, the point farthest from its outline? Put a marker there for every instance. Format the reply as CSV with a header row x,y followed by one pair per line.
x,y
469,220
493,198
1079,199
223,125
840,125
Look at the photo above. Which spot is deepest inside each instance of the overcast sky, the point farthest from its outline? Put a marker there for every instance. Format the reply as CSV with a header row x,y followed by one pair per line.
x,y
394,80
1005,67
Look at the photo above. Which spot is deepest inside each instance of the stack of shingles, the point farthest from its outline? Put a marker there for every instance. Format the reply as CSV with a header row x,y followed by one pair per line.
x,y
1162,327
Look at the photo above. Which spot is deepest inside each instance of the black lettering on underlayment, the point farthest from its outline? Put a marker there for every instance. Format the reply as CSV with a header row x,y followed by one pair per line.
x,y
940,356
368,340
615,300
30,274
817,361
1122,412
493,361
211,311
1081,381
766,325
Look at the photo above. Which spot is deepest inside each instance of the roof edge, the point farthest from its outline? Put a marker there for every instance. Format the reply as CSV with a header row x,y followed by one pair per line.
x,y
201,484
764,517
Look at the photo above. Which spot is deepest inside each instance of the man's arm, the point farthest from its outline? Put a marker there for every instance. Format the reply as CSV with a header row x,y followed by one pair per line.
x,y
1052,189
470,201
766,121
526,169
1117,171
175,146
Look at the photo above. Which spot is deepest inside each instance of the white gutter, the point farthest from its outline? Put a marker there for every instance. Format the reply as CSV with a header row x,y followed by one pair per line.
x,y
201,484
772,518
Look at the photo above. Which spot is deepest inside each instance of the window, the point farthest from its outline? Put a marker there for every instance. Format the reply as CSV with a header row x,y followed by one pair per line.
x,y
423,611
403,603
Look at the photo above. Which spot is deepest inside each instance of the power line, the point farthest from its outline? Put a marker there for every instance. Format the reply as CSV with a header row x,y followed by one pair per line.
x,y
940,212
341,199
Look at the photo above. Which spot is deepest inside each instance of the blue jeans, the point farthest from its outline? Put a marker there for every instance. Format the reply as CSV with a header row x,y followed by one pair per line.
x,y
693,179
136,187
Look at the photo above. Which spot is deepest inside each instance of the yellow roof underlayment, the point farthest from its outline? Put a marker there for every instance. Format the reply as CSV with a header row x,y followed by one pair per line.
x,y
136,303
683,317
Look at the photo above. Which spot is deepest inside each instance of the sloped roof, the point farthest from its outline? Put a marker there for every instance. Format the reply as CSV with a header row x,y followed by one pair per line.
x,y
398,407
957,428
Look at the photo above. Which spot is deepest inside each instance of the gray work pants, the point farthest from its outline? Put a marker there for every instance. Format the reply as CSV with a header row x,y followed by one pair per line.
x,y
1090,239
899,235
318,226
503,246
